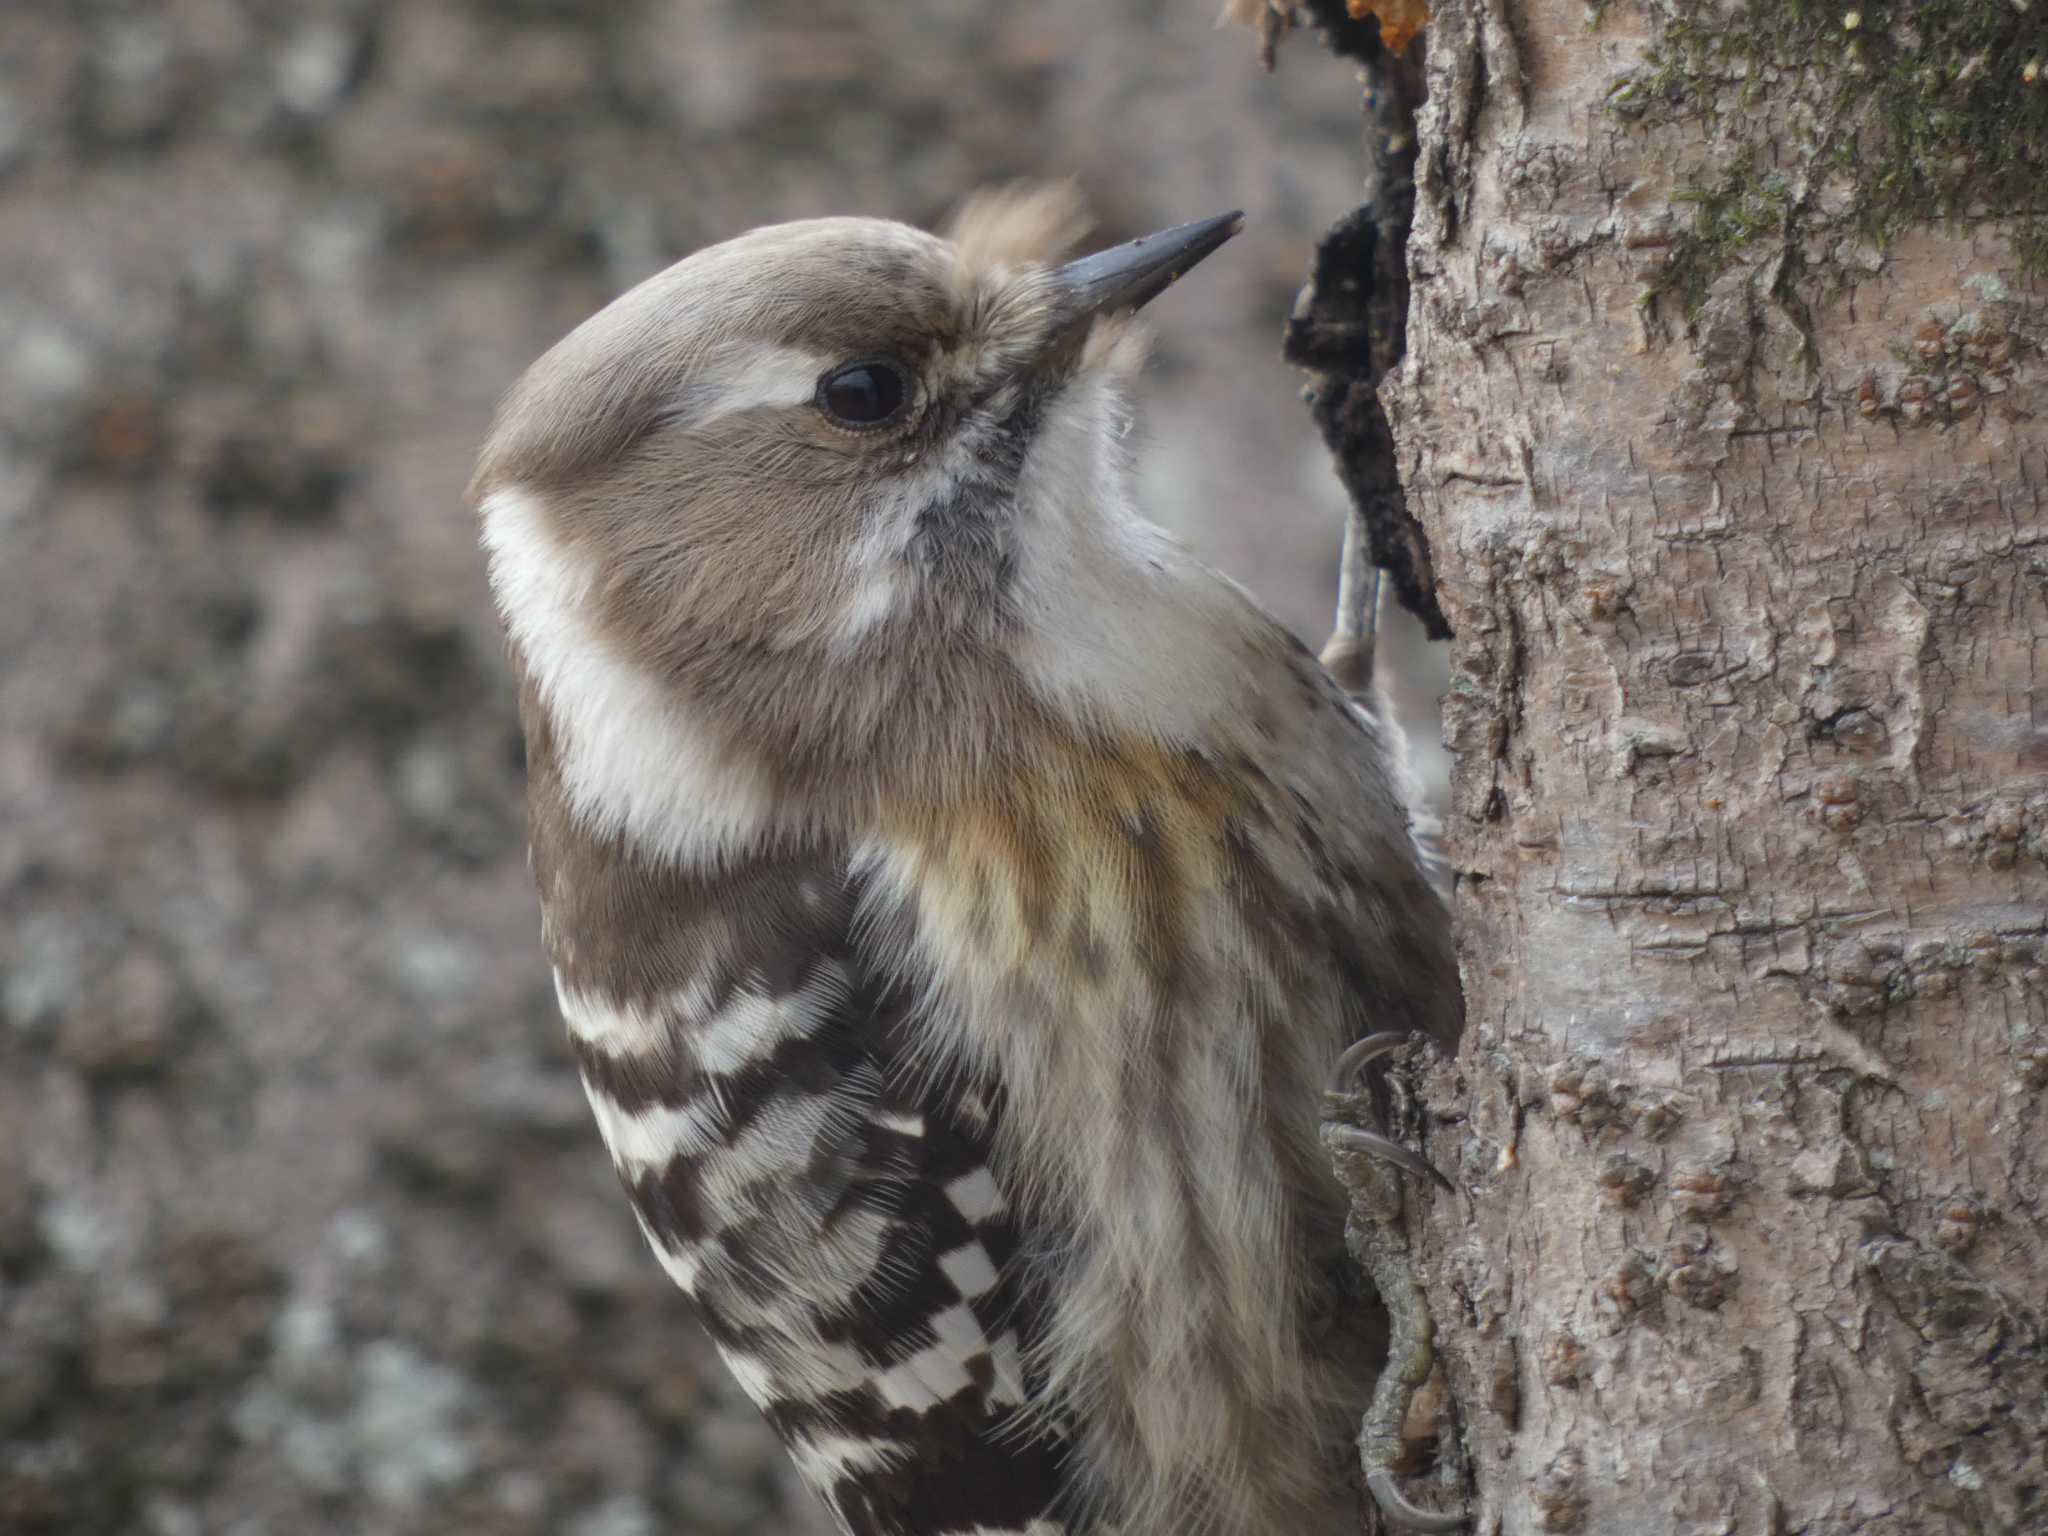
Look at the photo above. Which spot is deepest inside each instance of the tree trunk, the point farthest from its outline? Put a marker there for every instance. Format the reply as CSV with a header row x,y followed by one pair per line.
x,y
1738,517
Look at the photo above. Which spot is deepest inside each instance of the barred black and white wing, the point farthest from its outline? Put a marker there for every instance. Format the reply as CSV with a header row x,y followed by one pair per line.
x,y
829,1207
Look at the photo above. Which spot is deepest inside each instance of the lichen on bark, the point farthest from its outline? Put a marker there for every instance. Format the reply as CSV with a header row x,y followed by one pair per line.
x,y
1837,127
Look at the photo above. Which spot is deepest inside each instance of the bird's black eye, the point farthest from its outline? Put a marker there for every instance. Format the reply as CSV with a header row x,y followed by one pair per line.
x,y
863,394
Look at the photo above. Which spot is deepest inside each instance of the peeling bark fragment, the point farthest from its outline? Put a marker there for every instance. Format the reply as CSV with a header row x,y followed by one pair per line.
x,y
1349,326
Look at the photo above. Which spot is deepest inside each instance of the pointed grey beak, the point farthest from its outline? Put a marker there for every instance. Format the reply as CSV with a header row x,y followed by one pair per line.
x,y
1129,276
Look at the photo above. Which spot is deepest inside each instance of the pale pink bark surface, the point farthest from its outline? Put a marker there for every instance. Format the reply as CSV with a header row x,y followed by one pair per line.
x,y
1751,800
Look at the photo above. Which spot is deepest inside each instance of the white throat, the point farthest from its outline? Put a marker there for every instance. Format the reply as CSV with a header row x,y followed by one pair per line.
x,y
1122,625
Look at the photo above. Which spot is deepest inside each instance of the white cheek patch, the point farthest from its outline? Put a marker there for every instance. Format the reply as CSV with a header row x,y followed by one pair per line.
x,y
634,758
879,582
875,580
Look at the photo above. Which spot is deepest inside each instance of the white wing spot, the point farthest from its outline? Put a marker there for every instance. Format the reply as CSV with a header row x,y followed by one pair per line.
x,y
975,1196
902,1125
683,1264
929,1377
940,1372
1008,1390
824,1461
753,1376
649,1139
749,1027
969,1269
615,1030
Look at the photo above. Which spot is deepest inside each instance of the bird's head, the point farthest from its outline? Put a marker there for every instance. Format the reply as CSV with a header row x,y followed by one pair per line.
x,y
831,474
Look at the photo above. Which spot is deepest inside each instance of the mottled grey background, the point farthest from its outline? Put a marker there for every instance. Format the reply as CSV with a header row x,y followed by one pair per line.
x,y
302,1229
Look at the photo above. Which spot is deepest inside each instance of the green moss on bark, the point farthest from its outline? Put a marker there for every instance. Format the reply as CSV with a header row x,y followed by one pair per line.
x,y
1837,126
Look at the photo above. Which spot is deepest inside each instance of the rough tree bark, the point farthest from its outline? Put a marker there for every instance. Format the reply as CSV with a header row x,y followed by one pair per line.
x,y
1731,473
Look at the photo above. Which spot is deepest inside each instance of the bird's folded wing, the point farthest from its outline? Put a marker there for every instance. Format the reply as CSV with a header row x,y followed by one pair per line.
x,y
832,1210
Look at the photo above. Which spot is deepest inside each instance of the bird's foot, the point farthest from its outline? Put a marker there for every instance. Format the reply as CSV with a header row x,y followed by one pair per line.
x,y
1374,1237
1344,1082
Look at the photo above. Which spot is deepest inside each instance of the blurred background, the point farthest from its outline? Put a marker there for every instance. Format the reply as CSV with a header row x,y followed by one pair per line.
x,y
302,1225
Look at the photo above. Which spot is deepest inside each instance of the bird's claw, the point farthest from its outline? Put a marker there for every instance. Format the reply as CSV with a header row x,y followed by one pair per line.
x,y
1344,1080
1344,1075
1399,1512
1351,1138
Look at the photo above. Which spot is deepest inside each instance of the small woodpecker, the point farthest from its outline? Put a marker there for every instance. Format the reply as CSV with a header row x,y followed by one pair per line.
x,y
958,895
